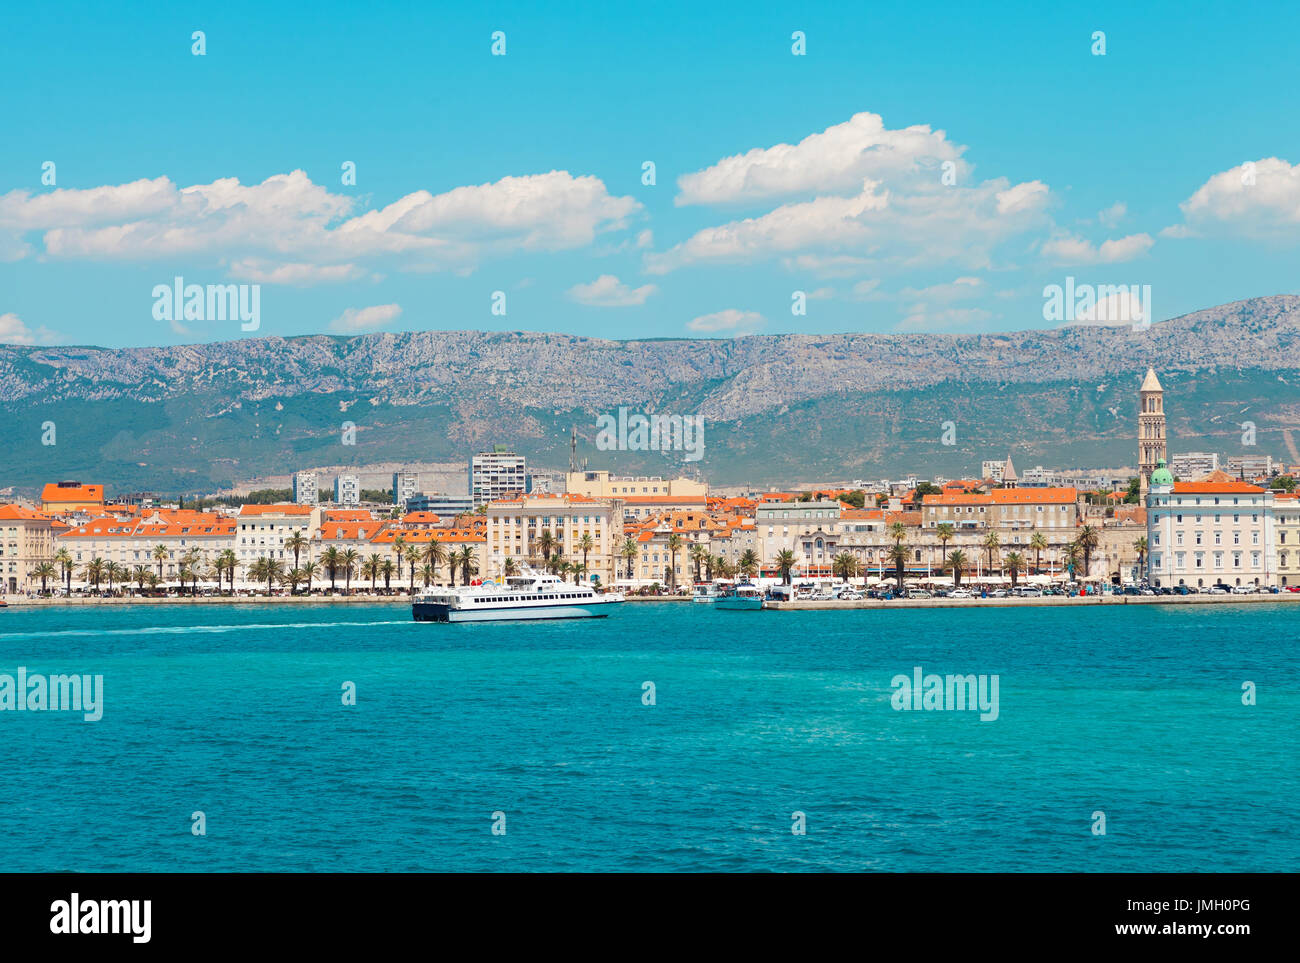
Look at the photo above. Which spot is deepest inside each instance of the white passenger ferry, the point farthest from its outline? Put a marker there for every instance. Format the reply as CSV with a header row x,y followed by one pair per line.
x,y
528,596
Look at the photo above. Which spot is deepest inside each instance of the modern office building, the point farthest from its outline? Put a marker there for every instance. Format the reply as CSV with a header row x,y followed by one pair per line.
x,y
1193,465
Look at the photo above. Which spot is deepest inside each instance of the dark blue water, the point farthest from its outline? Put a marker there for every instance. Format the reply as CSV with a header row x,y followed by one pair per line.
x,y
236,711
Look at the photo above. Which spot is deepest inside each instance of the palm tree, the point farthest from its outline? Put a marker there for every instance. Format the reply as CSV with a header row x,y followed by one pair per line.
x,y
748,565
160,552
294,578
296,543
399,546
992,544
1038,542
898,554
674,546
370,569
425,573
467,564
309,572
629,551
698,554
546,545
232,563
141,575
509,566
257,571
116,573
94,571
845,565
412,557
44,572
1070,557
958,562
274,572
1087,540
1140,546
435,554
945,533
64,559
1013,562
587,545
784,563
153,580
723,569
331,558
350,558
556,562
386,569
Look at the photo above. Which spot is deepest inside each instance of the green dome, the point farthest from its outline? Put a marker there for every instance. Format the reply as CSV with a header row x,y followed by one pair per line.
x,y
1162,475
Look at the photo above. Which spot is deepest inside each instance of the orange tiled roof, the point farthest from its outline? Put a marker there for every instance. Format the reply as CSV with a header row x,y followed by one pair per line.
x,y
53,492
1216,487
18,513
289,509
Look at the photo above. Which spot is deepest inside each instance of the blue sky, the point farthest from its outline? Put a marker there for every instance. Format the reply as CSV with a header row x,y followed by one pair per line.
x,y
523,174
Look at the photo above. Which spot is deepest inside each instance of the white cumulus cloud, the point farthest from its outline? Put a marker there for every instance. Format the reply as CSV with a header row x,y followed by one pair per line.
x,y
731,321
607,291
355,320
14,331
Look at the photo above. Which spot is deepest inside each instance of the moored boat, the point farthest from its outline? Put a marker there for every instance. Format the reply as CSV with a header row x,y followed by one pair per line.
x,y
744,595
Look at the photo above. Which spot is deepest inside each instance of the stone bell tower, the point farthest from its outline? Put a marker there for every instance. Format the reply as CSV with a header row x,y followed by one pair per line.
x,y
1151,427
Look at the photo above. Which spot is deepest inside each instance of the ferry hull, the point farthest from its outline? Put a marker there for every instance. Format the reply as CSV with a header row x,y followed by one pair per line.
x,y
434,612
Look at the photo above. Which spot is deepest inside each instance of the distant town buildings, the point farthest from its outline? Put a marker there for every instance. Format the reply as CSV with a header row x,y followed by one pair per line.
x,y
440,504
1250,466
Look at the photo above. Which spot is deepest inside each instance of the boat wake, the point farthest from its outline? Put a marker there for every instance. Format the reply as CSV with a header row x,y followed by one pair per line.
x,y
183,629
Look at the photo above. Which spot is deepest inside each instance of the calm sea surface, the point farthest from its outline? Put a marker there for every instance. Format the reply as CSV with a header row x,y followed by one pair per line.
x,y
236,711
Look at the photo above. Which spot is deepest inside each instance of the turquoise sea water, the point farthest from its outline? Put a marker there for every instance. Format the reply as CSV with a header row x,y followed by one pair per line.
x,y
236,711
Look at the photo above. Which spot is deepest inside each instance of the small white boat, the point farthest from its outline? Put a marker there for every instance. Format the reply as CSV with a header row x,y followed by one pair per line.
x,y
517,597
704,592
742,596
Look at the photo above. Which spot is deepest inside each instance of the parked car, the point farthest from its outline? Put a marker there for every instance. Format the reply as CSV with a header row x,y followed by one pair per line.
x,y
1030,593
1243,590
1219,590
998,594
850,596
960,594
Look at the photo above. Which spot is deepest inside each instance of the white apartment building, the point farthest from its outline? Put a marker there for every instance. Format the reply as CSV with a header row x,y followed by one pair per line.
x,y
495,475
347,491
514,526
1250,466
305,489
406,484
1192,465
601,484
1207,533
992,469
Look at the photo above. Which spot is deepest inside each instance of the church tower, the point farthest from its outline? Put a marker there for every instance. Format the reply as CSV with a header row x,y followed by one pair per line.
x,y
1151,427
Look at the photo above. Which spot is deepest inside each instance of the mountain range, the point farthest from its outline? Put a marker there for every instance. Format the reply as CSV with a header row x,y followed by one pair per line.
x,y
778,409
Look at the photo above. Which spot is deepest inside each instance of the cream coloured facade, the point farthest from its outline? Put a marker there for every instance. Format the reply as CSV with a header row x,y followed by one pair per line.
x,y
1207,533
515,525
601,484
1286,521
26,540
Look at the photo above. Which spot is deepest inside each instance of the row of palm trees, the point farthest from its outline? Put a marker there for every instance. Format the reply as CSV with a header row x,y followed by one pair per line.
x,y
334,564
1076,556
